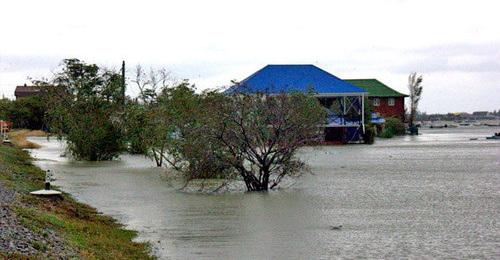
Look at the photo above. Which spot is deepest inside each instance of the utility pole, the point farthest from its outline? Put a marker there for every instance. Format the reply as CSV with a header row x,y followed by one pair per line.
x,y
123,83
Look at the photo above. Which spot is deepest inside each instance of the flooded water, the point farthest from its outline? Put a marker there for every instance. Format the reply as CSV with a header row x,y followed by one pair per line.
x,y
436,195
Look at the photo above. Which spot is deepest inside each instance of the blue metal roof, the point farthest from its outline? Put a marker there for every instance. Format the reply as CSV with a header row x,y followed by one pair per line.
x,y
289,78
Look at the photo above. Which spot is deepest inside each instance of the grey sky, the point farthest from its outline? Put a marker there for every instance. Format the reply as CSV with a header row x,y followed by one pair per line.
x,y
455,45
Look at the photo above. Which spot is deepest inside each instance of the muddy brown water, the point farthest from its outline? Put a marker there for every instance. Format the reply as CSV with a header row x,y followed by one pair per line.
x,y
435,195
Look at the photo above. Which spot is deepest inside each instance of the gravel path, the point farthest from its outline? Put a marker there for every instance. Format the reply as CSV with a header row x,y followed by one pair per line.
x,y
17,239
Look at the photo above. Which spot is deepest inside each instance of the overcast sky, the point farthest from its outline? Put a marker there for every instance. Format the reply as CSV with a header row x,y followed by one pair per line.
x,y
455,45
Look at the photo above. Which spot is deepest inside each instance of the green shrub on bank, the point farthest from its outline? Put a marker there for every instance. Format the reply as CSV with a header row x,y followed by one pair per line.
x,y
393,126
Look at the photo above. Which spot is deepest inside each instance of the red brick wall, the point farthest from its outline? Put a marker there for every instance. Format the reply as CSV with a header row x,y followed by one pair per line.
x,y
386,111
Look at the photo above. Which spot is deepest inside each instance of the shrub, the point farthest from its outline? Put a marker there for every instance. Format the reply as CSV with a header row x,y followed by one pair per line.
x,y
393,126
386,134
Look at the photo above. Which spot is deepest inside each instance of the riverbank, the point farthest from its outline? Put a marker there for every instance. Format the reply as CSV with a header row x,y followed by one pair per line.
x,y
34,227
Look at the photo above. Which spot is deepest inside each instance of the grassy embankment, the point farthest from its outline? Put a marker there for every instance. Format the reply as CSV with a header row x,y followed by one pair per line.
x,y
85,233
18,138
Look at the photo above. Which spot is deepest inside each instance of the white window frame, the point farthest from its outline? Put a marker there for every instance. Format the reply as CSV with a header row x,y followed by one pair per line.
x,y
391,102
376,102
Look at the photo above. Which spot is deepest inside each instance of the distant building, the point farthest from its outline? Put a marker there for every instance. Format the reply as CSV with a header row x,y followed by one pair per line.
x,y
26,91
480,113
386,101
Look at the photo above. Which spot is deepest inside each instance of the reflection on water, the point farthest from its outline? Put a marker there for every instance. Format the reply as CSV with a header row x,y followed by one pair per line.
x,y
430,196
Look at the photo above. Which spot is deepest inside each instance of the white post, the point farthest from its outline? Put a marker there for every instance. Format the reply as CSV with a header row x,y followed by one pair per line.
x,y
343,111
48,177
363,111
2,130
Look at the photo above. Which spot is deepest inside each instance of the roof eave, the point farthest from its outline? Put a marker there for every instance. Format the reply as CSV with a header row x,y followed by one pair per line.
x,y
340,94
379,96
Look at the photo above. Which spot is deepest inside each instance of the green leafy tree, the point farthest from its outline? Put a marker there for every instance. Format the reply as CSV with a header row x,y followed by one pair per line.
x,y
28,112
85,109
148,125
5,107
185,119
207,156
134,121
170,119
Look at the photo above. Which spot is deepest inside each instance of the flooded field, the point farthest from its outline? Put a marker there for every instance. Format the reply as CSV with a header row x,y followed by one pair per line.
x,y
436,195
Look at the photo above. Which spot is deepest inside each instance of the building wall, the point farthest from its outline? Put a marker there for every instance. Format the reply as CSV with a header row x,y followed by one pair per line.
x,y
386,111
24,94
26,91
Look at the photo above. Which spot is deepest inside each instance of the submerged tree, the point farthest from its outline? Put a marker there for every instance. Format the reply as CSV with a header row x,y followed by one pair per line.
x,y
262,134
84,109
415,88
165,122
144,125
148,127
194,150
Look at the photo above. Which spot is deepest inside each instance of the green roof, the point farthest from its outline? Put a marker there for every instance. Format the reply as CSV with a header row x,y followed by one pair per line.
x,y
375,88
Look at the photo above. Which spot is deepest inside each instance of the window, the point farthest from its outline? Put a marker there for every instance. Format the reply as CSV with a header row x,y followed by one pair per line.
x,y
391,102
376,102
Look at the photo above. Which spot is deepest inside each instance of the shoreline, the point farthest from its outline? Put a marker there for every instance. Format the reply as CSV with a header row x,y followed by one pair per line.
x,y
34,227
